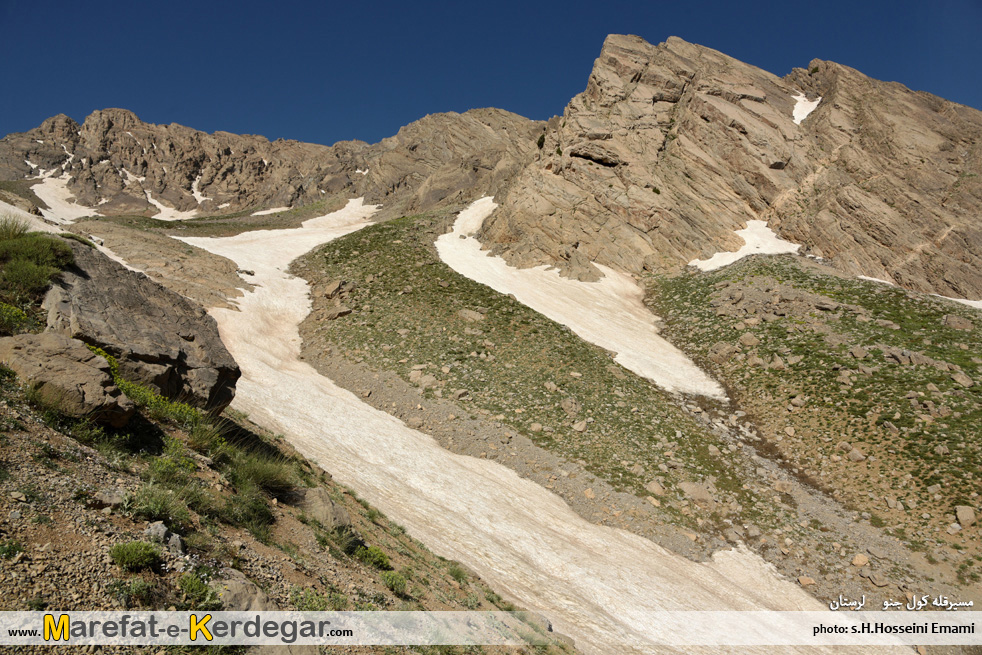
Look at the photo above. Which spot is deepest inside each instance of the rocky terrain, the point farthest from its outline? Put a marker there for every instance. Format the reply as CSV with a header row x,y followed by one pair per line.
x,y
845,453
671,148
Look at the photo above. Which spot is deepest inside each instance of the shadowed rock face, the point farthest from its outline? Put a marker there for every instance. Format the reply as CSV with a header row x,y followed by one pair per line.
x,y
159,338
671,148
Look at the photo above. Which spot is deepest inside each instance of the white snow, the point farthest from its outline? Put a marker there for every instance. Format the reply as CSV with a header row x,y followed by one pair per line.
x,y
609,313
29,163
37,224
758,240
595,583
363,172
62,206
196,192
169,213
224,205
977,304
803,106
274,210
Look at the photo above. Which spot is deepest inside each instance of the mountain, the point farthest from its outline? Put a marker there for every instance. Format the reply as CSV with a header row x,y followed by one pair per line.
x,y
671,148
668,151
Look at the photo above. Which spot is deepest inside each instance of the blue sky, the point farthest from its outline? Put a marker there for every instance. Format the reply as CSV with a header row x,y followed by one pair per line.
x,y
328,71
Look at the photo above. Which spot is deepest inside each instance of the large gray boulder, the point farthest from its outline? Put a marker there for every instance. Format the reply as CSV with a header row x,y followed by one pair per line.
x,y
159,338
66,374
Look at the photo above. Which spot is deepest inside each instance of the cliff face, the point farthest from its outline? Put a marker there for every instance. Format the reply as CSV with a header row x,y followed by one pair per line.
x,y
673,147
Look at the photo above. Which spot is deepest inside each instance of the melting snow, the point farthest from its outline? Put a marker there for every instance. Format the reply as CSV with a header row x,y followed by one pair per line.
x,y
363,172
977,304
609,313
758,240
274,210
597,584
803,106
169,213
196,192
53,191
36,223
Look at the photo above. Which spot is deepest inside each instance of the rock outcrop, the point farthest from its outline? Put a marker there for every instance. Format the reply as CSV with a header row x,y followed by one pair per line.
x,y
671,148
158,337
66,374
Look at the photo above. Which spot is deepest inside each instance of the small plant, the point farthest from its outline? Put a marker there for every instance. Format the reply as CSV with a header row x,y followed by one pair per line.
x,y
347,540
395,582
153,502
12,228
457,572
542,141
309,600
135,555
12,319
373,556
9,549
200,596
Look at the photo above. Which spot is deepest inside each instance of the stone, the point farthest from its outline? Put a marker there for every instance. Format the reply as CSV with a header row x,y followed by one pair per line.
x,y
748,339
535,427
415,422
858,352
332,313
965,515
962,379
157,532
699,493
319,506
656,488
856,455
460,394
570,405
860,560
239,594
107,498
806,581
333,288
957,322
470,315
66,374
783,486
580,426
159,338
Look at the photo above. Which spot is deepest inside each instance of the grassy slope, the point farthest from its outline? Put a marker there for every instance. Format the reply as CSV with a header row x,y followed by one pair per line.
x,y
908,460
406,304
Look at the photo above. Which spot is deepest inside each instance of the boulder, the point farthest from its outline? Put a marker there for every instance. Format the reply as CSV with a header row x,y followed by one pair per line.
x,y
159,338
65,373
965,516
319,505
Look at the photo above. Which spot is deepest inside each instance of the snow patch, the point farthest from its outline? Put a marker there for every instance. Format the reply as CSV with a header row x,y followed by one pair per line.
x,y
36,223
758,240
609,313
363,172
976,304
62,208
224,205
32,165
803,106
197,192
169,213
274,210
595,583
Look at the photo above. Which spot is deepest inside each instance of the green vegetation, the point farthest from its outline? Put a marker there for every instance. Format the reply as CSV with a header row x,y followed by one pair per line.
x,y
919,424
517,367
541,141
135,555
9,548
310,600
395,582
199,595
28,263
373,556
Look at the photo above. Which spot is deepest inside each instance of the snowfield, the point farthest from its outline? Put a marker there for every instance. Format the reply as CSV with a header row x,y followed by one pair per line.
x,y
609,313
758,240
803,106
597,584
62,206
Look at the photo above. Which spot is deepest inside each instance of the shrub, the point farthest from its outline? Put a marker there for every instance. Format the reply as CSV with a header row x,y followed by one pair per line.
x,y
12,228
542,140
199,594
309,600
135,555
395,582
457,572
348,541
22,278
373,556
12,319
249,509
274,475
9,548
153,502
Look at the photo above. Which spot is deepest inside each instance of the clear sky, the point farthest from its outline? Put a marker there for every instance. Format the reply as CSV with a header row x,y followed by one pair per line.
x,y
327,71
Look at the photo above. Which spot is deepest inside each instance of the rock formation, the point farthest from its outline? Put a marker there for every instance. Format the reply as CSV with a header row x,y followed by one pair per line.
x,y
66,374
671,148
158,337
